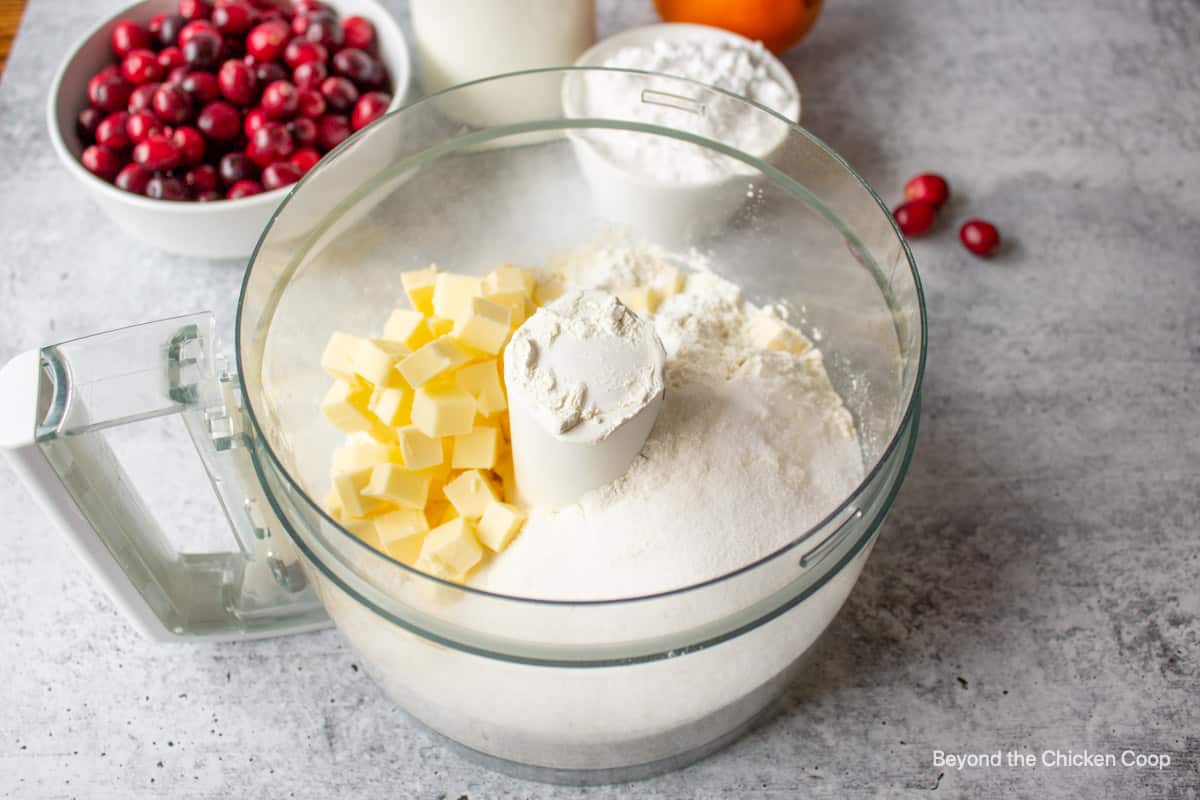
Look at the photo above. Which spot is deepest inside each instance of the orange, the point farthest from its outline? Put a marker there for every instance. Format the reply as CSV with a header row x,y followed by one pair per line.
x,y
779,24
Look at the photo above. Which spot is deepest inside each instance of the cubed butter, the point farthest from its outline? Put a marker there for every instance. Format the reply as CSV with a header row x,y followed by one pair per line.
x,y
642,299
453,547
398,485
439,327
349,487
364,455
518,306
408,327
482,380
485,326
332,504
452,295
478,449
507,278
443,410
431,360
401,533
419,285
346,408
669,281
418,450
392,405
363,529
338,359
772,333
499,525
508,478
470,493
375,361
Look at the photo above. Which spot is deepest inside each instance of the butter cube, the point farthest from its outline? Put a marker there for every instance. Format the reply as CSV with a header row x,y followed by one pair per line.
x,y
439,327
448,512
484,327
418,285
452,549
408,327
431,360
398,485
508,478
441,471
392,405
482,380
443,410
517,305
363,529
642,299
507,278
364,455
346,408
338,359
548,289
478,449
375,360
772,333
669,281
452,295
499,525
401,534
470,493
418,450
332,504
350,487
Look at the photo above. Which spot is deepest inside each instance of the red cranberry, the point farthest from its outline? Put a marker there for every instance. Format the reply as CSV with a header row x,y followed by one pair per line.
x,y
108,91
219,121
980,237
356,65
141,97
101,162
86,123
237,82
360,33
208,196
279,174
171,104
928,188
176,77
309,75
111,132
232,47
304,159
915,218
195,9
243,189
156,152
189,143
171,58
201,179
194,29
302,51
269,144
233,18
324,30
303,131
332,130
369,108
129,36
141,66
166,27
269,72
234,167
266,41
203,50
308,8
164,187
279,100
339,93
132,178
202,87
254,120
309,103
142,124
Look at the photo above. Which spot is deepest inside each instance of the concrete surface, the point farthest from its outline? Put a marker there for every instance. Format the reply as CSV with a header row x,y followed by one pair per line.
x,y
1037,585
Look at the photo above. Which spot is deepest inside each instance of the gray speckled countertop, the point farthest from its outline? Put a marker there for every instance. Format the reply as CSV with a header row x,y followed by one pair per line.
x,y
1036,586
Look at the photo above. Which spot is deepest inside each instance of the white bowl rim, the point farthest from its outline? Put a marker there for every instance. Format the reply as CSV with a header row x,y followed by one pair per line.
x,y
262,199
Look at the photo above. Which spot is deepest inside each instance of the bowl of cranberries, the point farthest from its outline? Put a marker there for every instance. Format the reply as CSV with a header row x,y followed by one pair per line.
x,y
189,120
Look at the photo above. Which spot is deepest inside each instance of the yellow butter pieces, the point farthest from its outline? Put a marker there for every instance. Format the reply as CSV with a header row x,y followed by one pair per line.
x,y
451,550
482,381
507,278
392,405
345,407
364,455
479,449
363,529
485,326
407,327
452,295
395,484
417,450
499,525
418,286
431,360
349,488
375,360
401,533
642,299
443,410
772,333
470,493
517,305
339,356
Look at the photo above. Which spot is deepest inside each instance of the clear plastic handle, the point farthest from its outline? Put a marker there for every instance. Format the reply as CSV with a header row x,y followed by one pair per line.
x,y
57,402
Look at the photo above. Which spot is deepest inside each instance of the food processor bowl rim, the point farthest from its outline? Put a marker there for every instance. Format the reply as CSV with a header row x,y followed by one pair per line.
x,y
912,404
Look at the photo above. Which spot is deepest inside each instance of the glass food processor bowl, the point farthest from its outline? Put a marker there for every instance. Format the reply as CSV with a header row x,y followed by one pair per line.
x,y
475,176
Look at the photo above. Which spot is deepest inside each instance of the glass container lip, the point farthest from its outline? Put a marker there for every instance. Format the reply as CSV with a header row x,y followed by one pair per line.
x,y
911,408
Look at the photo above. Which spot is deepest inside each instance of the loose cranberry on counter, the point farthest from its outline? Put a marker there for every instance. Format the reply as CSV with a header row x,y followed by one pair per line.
x,y
267,40
201,179
132,178
269,144
360,33
156,153
87,122
237,82
928,188
309,75
142,124
302,51
203,50
189,143
279,100
357,65
219,121
234,167
254,120
268,72
915,218
165,28
309,103
369,108
171,58
171,104
324,30
279,174
233,18
304,159
980,237
129,36
332,130
108,91
111,132
202,87
303,131
195,9
339,93
101,162
243,189
164,187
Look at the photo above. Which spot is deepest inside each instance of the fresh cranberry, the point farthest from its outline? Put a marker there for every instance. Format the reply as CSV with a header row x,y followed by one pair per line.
x,y
332,130
268,72
324,30
237,82
339,93
207,196
302,51
928,188
980,237
132,178
190,144
243,189
233,18
141,66
309,103
140,98
303,131
171,104
166,27
280,174
915,218
111,131
232,47
177,76
234,167
171,58
279,100
194,29
129,36
360,33
219,121
164,187
308,8
269,144
108,91
202,87
266,41
87,122
304,159
195,9
357,65
201,179
156,152
203,50
309,75
142,124
101,162
369,108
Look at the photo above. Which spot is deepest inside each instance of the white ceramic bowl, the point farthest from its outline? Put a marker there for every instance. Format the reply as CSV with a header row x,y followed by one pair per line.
x,y
626,193
220,229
